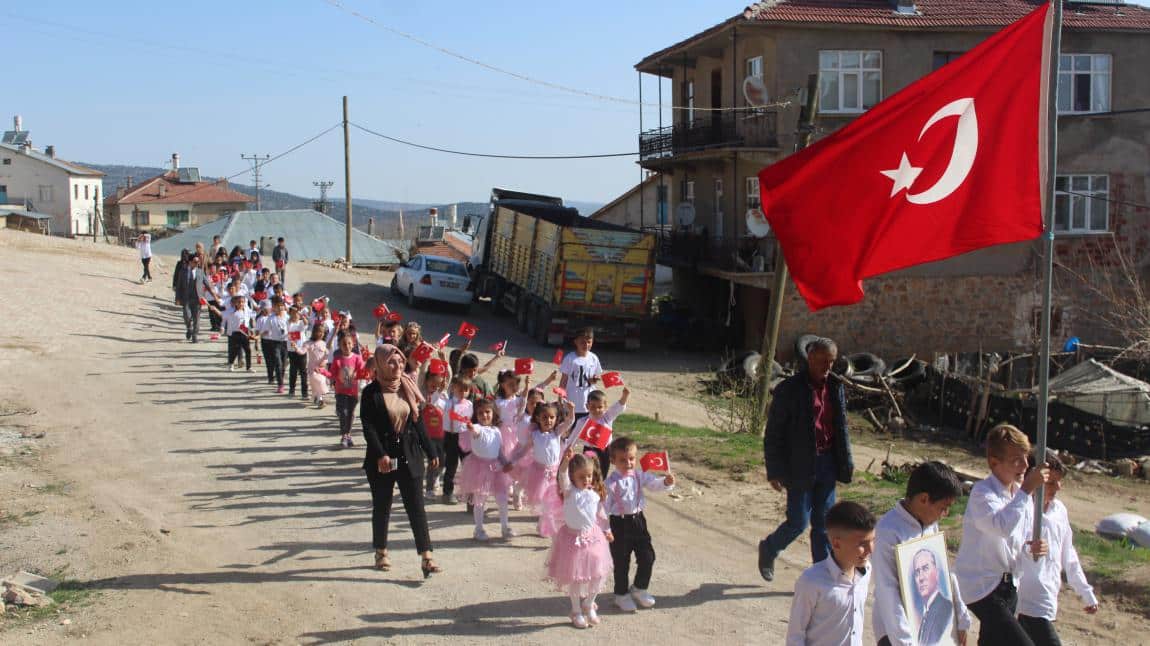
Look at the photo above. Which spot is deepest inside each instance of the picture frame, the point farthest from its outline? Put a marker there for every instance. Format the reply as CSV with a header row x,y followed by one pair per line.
x,y
927,589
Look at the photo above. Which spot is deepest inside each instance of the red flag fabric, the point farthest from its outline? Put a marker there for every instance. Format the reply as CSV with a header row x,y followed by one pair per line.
x,y
323,372
456,416
560,392
244,328
596,434
279,264
558,358
422,353
364,373
366,354
612,379
260,296
380,311
394,316
467,330
203,301
437,367
659,461
443,342
214,337
295,335
496,347
318,305
524,366
947,165
433,422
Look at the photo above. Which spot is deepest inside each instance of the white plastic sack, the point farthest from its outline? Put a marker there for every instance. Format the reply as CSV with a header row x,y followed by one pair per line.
x,y
1140,535
1119,525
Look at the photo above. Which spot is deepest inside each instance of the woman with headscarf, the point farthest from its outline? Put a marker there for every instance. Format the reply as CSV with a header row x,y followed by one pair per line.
x,y
397,444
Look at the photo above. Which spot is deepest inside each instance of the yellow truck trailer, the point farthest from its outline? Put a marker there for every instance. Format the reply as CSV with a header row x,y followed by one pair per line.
x,y
559,272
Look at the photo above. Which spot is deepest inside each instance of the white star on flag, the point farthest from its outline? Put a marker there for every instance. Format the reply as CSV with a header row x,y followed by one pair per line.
x,y
903,176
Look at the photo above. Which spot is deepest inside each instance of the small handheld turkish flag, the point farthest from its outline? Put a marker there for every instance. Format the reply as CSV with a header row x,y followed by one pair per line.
x,y
496,347
467,330
457,416
524,366
422,353
394,316
279,264
295,335
366,354
437,367
380,311
214,337
560,392
443,341
596,434
318,305
612,379
244,329
558,358
655,461
433,422
203,302
364,373
260,296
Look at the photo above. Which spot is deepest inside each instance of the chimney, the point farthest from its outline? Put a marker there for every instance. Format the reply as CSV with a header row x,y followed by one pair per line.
x,y
371,226
120,191
434,214
454,211
175,161
17,123
163,189
128,182
50,151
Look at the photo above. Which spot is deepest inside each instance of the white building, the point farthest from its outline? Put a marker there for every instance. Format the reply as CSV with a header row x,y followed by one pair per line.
x,y
37,181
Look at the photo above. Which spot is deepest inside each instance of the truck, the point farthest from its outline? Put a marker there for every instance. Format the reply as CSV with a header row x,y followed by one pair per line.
x,y
558,272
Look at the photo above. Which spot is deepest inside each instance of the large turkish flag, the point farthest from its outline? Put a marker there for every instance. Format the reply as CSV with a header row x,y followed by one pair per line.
x,y
948,165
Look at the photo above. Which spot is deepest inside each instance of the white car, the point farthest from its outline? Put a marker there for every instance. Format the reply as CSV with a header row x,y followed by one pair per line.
x,y
433,278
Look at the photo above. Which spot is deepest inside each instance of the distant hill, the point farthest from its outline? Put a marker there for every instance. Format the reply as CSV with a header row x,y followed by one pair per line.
x,y
385,212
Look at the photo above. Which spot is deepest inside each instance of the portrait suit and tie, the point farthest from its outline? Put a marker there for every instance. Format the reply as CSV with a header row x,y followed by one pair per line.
x,y
935,608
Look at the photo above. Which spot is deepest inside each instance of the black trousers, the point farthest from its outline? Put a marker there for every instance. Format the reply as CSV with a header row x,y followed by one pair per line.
x,y
275,356
631,537
238,342
382,490
1041,631
147,269
455,455
298,364
997,624
214,318
345,411
266,350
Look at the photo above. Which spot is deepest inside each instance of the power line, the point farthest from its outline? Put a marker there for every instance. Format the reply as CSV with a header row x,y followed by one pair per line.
x,y
531,79
1108,199
488,155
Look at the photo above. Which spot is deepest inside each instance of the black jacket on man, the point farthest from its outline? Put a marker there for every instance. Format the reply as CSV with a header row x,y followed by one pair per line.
x,y
789,442
412,444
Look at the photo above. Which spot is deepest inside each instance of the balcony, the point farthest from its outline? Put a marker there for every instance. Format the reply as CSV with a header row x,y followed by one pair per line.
x,y
747,261
735,129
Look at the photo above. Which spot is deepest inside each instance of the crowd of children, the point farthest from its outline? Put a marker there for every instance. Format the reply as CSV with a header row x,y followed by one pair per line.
x,y
518,446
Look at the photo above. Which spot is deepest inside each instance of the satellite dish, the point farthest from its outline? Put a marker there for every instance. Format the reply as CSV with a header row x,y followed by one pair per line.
x,y
757,224
754,91
686,214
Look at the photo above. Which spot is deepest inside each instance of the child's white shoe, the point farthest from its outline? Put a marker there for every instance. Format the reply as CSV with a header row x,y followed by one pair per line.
x,y
591,611
578,620
480,534
625,603
509,533
642,597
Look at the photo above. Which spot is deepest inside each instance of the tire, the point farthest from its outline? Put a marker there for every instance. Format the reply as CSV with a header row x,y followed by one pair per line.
x,y
522,308
395,286
734,370
867,367
801,347
543,325
412,301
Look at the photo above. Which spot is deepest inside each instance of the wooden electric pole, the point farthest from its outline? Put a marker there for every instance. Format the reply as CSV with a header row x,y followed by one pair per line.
x,y
771,338
347,182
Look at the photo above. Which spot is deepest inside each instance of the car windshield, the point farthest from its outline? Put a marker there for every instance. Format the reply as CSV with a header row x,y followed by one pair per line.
x,y
446,267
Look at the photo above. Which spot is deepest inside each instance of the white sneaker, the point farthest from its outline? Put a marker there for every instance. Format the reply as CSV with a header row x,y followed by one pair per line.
x,y
591,610
480,534
509,533
625,603
578,620
642,597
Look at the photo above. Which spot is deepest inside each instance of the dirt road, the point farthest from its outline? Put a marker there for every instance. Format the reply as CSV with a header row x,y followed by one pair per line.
x,y
201,507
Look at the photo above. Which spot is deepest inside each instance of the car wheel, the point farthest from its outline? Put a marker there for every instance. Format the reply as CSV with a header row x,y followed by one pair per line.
x,y
411,299
395,285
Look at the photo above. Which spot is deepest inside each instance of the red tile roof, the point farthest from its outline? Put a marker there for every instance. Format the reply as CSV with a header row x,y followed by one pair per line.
x,y
944,13
445,249
148,192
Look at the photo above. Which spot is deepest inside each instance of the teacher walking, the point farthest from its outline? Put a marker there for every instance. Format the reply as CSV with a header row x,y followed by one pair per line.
x,y
397,445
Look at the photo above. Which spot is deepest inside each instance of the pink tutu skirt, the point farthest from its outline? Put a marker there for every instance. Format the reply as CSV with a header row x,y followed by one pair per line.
x,y
579,562
542,492
482,478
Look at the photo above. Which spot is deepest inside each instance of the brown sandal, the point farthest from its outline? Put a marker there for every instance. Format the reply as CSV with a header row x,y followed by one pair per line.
x,y
429,567
382,562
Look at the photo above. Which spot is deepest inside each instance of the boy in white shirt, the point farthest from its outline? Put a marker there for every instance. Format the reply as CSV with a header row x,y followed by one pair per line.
x,y
580,372
930,491
1042,579
993,537
625,504
830,596
598,411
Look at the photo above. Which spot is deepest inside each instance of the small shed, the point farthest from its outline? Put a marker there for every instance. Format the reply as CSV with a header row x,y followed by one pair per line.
x,y
23,220
1098,389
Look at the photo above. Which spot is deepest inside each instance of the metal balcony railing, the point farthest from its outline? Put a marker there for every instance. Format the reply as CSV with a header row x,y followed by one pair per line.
x,y
735,129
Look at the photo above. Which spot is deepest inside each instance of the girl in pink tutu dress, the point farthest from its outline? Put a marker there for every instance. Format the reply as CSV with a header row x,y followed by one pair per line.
x,y
483,471
546,443
522,467
510,404
580,559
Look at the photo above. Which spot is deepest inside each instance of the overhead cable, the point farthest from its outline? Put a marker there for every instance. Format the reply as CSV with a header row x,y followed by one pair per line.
x,y
489,155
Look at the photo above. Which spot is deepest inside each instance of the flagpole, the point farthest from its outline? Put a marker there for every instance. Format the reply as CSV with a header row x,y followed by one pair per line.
x,y
1048,255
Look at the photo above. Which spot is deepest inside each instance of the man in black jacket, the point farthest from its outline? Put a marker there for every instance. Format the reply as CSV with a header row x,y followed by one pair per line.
x,y
190,282
806,449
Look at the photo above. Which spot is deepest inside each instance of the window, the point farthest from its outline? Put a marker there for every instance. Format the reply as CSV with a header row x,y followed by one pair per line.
x,y
717,207
446,267
942,58
86,195
849,81
176,218
7,161
96,193
46,193
140,219
755,66
689,100
1080,204
753,201
687,191
1083,83
75,191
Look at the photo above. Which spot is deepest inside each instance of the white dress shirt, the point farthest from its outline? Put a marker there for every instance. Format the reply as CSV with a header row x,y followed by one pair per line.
x,y
992,535
828,607
304,331
274,328
625,491
486,442
1042,579
234,319
889,616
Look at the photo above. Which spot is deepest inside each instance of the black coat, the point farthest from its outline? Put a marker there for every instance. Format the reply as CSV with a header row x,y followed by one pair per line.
x,y
411,445
789,441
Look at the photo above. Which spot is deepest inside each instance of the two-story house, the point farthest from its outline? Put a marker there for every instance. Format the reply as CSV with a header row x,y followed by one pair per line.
x,y
39,181
737,88
176,199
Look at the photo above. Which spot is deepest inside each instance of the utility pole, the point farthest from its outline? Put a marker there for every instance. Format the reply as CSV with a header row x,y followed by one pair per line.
x,y
347,180
322,206
771,338
257,161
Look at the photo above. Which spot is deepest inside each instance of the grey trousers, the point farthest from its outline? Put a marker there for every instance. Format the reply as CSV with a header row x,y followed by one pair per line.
x,y
191,310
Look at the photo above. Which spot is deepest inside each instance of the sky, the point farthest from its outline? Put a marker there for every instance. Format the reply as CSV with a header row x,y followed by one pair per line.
x,y
131,82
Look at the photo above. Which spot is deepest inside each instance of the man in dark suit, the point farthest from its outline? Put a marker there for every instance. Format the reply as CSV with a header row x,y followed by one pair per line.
x,y
807,449
936,608
190,279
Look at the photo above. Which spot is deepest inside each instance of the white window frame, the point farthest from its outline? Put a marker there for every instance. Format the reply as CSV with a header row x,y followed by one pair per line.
x,y
1082,199
688,191
831,66
1096,67
754,66
754,200
690,101
46,193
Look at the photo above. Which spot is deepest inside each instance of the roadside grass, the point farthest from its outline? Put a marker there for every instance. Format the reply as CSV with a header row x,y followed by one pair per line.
x,y
735,454
69,595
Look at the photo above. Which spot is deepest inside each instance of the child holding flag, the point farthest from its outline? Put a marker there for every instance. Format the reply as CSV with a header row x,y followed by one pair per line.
x,y
297,360
546,443
599,415
580,560
580,371
483,473
625,504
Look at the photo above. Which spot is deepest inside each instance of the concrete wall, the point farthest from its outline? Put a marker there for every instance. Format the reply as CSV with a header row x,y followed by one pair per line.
x,y
158,213
25,175
637,211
